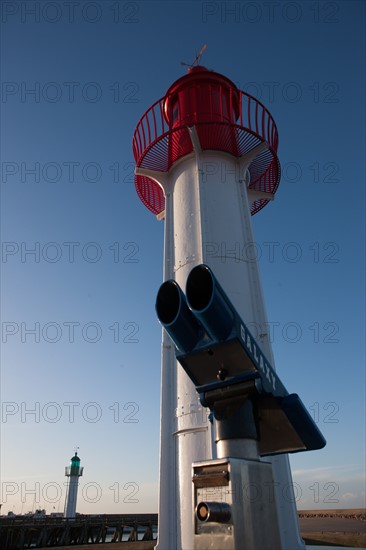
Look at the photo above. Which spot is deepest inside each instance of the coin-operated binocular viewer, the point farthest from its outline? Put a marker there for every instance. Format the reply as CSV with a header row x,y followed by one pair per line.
x,y
253,414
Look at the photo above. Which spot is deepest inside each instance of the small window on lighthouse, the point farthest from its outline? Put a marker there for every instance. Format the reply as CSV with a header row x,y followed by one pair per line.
x,y
175,112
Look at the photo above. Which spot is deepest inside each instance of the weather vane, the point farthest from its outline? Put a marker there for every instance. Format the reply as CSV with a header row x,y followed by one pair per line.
x,y
196,60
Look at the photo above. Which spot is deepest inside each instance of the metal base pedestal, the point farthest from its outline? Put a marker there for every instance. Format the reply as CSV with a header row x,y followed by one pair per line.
x,y
234,505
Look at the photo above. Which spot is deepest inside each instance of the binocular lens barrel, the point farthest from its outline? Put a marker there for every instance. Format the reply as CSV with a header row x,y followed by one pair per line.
x,y
205,311
209,302
176,317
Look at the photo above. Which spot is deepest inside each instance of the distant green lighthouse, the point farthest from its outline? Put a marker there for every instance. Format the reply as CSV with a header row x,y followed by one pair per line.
x,y
73,472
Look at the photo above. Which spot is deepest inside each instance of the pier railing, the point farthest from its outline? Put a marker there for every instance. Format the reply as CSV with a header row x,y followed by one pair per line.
x,y
22,532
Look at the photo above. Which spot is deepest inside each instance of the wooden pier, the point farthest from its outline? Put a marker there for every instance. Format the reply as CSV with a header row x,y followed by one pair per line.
x,y
19,533
138,532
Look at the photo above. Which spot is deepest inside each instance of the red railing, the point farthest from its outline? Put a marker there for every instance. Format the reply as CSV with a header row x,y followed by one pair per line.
x,y
232,121
253,117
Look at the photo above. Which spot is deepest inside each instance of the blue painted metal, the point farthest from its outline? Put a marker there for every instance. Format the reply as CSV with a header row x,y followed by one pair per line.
x,y
209,303
218,352
175,315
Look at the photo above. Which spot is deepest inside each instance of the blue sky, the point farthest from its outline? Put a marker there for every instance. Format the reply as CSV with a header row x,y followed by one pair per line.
x,y
90,370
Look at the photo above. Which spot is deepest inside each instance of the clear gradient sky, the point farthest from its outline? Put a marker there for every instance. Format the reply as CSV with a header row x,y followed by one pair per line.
x,y
80,339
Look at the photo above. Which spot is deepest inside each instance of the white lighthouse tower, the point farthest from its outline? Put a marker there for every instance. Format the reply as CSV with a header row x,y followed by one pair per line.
x,y
206,160
72,472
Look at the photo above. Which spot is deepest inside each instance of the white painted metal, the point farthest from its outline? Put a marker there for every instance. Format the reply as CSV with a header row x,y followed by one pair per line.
x,y
71,496
207,220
